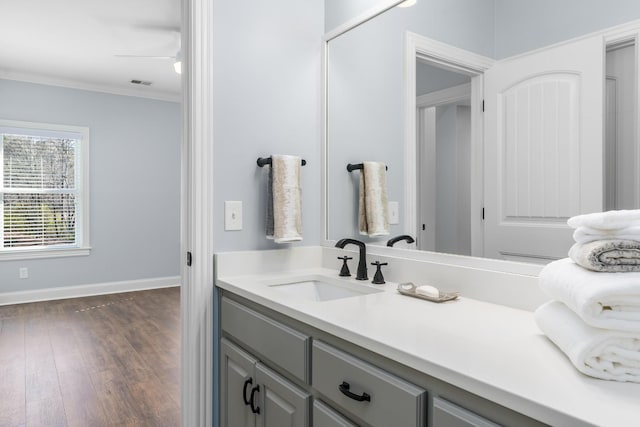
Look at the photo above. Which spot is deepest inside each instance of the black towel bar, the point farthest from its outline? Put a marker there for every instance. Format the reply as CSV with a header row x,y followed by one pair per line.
x,y
359,166
267,161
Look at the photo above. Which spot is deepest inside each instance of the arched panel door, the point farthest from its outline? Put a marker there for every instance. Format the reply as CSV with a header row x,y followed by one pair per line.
x,y
543,149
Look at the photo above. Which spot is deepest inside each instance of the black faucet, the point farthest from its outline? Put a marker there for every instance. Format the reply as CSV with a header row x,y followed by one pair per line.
x,y
362,262
396,239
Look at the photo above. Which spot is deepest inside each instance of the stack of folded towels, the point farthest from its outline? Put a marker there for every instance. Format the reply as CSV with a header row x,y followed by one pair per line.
x,y
595,316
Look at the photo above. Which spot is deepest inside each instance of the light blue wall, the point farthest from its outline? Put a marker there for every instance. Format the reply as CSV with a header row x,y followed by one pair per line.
x,y
430,79
337,12
266,101
134,185
522,25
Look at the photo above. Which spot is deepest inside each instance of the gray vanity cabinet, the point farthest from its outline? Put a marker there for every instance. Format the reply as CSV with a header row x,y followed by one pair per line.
x,y
253,395
278,372
237,379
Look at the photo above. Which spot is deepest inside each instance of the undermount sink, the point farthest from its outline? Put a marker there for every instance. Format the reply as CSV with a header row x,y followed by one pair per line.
x,y
316,289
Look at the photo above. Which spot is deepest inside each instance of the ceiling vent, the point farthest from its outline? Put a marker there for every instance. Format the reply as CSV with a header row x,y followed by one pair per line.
x,y
140,82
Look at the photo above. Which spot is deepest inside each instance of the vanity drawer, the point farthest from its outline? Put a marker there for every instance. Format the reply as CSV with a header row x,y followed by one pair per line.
x,y
385,400
447,414
283,346
324,416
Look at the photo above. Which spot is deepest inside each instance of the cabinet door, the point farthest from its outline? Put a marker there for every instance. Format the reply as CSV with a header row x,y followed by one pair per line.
x,y
324,416
236,383
282,404
446,414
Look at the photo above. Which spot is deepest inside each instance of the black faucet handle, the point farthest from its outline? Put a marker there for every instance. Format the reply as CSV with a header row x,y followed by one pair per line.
x,y
344,271
378,279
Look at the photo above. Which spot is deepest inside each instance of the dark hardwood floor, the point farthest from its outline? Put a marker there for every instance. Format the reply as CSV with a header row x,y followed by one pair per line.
x,y
109,360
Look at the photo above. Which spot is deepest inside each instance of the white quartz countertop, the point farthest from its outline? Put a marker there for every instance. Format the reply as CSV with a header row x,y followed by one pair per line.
x,y
493,351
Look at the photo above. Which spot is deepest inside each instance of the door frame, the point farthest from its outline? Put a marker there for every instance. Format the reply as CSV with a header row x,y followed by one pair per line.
x,y
198,343
461,61
614,40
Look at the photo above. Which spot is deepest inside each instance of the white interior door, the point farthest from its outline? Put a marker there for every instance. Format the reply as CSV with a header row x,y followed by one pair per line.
x,y
543,148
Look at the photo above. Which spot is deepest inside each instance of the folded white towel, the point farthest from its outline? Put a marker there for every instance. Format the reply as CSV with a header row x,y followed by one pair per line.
x,y
609,220
284,210
602,300
588,234
615,256
600,353
372,201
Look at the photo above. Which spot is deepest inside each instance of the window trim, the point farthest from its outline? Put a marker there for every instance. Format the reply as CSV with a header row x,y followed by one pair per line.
x,y
83,246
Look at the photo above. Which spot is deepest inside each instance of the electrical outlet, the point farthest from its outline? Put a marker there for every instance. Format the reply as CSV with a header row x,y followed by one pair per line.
x,y
23,272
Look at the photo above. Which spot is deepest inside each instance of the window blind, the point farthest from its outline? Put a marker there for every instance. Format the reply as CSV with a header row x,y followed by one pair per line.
x,y
39,191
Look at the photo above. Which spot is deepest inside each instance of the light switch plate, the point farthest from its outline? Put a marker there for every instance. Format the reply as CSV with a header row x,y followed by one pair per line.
x,y
394,215
232,215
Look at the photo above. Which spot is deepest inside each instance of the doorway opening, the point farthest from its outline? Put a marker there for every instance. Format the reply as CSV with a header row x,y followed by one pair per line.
x,y
443,121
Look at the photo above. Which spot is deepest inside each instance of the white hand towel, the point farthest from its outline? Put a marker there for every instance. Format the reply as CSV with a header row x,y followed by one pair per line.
x,y
372,201
602,300
588,234
615,256
610,220
286,208
600,353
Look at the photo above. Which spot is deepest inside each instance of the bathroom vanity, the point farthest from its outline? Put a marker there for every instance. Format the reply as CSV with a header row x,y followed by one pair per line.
x,y
300,346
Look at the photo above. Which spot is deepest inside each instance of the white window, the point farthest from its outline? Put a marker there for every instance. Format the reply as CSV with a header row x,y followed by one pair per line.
x,y
44,189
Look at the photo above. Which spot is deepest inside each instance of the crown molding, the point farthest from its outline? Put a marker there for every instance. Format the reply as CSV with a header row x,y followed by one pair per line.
x,y
93,87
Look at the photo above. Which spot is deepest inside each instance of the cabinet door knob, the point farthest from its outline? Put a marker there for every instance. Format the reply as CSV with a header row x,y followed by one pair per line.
x,y
254,409
344,389
247,383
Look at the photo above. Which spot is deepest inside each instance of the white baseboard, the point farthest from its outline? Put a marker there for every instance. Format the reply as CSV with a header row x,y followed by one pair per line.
x,y
87,290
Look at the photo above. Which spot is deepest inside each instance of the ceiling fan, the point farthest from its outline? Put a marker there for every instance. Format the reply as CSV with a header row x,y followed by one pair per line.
x,y
177,57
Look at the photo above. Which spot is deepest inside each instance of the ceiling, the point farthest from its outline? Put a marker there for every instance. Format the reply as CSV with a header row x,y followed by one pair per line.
x,y
75,42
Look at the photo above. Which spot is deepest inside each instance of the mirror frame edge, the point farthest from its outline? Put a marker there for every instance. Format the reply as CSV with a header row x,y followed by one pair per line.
x,y
412,47
367,15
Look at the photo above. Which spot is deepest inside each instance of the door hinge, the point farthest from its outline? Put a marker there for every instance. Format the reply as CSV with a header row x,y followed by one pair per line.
x,y
483,214
189,259
483,105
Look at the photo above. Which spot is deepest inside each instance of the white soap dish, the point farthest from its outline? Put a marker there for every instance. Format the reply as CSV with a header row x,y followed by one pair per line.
x,y
409,289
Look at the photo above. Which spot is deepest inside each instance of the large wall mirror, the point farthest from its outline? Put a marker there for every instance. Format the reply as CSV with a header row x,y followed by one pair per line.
x,y
497,120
